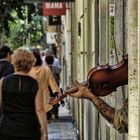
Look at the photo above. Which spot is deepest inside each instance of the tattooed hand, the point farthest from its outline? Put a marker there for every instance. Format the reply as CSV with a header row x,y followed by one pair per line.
x,y
83,91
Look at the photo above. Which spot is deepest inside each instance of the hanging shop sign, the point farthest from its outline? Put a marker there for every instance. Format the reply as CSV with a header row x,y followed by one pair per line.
x,y
60,0
54,20
41,1
50,8
52,29
33,1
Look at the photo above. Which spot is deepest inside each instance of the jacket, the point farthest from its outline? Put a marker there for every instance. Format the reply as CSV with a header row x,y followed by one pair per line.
x,y
45,78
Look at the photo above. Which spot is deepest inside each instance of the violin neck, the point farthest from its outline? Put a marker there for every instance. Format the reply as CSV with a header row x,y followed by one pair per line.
x,y
74,88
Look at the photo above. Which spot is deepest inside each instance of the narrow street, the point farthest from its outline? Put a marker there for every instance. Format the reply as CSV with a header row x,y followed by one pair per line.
x,y
63,128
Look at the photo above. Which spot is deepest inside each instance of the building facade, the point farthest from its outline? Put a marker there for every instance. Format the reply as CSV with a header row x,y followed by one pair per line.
x,y
98,32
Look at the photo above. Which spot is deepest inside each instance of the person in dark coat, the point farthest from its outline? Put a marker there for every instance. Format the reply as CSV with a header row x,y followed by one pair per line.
x,y
6,67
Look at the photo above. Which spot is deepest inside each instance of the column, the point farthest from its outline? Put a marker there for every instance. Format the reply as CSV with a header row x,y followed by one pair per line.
x,y
134,71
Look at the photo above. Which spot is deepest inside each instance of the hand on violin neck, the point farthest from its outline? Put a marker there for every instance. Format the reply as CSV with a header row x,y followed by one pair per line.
x,y
83,91
59,92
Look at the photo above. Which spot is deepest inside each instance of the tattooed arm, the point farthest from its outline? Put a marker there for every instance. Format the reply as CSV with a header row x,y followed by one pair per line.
x,y
83,92
107,111
119,117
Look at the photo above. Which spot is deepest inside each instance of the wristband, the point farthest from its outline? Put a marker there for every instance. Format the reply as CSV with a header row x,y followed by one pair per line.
x,y
45,135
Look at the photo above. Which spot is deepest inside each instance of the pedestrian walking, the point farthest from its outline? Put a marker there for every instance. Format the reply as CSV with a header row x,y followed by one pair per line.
x,y
23,116
45,78
6,67
49,59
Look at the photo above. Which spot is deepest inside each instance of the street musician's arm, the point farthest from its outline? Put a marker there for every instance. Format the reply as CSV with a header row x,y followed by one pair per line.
x,y
118,117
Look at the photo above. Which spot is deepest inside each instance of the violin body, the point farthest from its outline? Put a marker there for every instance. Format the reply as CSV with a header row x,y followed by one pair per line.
x,y
102,80
105,79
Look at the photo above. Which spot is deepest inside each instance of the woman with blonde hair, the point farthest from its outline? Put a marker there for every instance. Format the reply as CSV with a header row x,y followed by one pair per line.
x,y
23,116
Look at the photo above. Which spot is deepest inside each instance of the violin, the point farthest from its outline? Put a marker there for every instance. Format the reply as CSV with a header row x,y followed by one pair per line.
x,y
102,79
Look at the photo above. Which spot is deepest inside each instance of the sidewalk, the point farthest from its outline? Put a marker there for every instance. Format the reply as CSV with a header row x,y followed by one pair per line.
x,y
62,128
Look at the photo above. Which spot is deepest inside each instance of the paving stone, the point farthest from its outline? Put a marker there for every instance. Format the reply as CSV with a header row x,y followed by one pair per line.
x,y
62,128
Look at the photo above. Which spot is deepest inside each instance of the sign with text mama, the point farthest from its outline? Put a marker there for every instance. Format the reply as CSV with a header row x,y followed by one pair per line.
x,y
60,0
33,1
50,8
41,1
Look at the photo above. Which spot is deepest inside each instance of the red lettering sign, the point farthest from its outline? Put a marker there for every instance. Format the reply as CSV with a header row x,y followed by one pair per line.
x,y
54,8
60,0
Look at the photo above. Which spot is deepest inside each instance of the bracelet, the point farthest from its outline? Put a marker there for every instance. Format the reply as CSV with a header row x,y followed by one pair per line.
x,y
45,135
